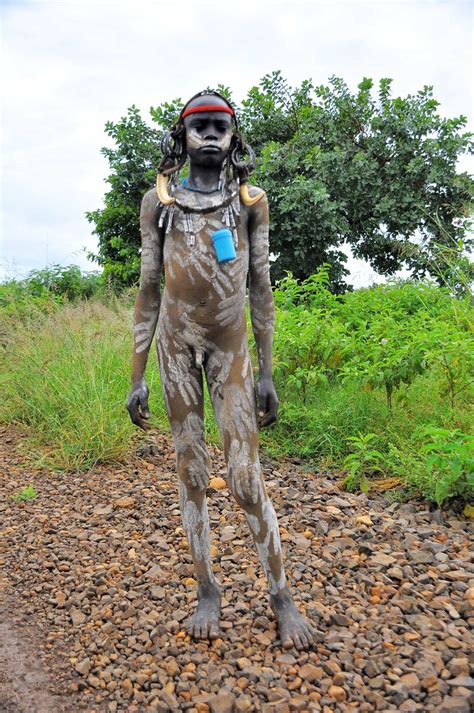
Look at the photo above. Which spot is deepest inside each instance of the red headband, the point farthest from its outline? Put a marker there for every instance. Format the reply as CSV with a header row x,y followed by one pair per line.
x,y
207,107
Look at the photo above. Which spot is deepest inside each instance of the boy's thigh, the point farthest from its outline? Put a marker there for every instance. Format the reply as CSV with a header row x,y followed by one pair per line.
x,y
230,380
181,381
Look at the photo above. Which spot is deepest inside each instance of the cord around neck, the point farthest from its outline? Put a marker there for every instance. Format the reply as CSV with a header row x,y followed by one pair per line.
x,y
184,183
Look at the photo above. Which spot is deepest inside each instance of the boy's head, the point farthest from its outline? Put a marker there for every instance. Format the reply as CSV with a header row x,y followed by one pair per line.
x,y
209,123
207,131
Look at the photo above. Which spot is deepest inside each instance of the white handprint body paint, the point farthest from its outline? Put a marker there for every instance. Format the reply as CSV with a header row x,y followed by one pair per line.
x,y
191,450
202,331
269,546
196,525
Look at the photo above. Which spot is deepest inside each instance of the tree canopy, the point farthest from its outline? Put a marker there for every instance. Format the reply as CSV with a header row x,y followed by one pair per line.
x,y
365,168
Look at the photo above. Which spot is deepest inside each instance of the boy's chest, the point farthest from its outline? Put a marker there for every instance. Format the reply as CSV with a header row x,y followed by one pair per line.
x,y
190,252
190,236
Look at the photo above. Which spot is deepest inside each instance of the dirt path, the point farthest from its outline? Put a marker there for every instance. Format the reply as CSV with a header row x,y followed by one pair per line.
x,y
98,582
25,683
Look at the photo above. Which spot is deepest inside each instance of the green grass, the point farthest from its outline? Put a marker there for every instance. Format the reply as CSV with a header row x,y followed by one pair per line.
x,y
66,378
319,426
66,370
322,429
27,493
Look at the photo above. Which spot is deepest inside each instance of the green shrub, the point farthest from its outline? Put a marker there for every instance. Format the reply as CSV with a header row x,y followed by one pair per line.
x,y
43,291
448,464
339,358
362,462
64,281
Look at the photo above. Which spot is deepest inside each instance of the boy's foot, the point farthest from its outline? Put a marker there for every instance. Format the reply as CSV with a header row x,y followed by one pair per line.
x,y
204,623
294,629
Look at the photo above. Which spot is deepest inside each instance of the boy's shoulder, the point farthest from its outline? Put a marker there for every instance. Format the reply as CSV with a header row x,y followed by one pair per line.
x,y
255,191
253,197
150,196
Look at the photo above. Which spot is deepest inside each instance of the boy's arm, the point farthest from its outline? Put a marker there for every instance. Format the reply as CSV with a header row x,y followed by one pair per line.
x,y
147,307
262,309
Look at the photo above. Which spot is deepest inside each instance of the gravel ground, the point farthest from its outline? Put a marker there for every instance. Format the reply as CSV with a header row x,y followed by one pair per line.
x,y
97,583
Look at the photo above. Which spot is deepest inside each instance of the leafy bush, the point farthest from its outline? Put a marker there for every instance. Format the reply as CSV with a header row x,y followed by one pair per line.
x,y
309,344
448,464
451,351
339,358
363,460
44,289
381,338
67,282
17,302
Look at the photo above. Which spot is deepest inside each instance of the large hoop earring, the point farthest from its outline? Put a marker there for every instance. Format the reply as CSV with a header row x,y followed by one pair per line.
x,y
244,169
174,157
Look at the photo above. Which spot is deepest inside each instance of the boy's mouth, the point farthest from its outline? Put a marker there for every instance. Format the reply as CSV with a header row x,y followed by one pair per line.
x,y
210,147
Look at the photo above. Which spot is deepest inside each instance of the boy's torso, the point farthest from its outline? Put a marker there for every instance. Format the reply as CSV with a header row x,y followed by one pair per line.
x,y
194,277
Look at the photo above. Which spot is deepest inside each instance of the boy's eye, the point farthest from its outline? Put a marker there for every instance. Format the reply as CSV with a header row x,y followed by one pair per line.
x,y
200,125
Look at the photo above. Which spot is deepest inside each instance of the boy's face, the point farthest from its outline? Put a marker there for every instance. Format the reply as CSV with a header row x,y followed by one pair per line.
x,y
208,137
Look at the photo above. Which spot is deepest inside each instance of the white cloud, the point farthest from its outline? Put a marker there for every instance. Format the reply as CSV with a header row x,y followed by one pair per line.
x,y
72,66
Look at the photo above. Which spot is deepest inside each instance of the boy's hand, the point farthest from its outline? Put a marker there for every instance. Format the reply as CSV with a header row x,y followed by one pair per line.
x,y
137,405
267,402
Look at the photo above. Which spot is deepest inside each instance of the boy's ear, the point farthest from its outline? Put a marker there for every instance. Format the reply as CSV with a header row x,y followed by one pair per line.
x,y
233,144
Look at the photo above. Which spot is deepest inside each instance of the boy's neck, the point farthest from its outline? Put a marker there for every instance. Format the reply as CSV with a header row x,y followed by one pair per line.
x,y
204,178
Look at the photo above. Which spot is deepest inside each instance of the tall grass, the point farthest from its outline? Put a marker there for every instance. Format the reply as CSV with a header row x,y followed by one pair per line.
x,y
66,378
321,426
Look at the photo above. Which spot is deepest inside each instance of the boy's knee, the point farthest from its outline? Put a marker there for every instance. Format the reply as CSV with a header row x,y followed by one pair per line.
x,y
245,486
245,481
192,458
246,498
193,472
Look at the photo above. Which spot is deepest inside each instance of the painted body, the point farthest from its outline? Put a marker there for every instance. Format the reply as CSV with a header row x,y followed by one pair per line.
x,y
200,325
202,330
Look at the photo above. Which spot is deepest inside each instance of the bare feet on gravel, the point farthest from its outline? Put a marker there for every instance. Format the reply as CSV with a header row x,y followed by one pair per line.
x,y
295,630
204,623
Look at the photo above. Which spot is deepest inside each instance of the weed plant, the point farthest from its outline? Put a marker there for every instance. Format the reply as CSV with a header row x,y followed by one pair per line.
x,y
25,494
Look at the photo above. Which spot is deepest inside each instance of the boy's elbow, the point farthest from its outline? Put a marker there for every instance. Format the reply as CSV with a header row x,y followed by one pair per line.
x,y
260,285
148,291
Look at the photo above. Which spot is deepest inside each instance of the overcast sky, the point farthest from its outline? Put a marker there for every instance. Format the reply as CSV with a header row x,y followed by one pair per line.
x,y
72,65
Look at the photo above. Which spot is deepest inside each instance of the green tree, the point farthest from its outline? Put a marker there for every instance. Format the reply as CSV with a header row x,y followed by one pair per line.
x,y
364,168
376,172
133,161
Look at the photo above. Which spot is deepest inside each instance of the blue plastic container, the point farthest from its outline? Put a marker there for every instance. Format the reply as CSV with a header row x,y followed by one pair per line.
x,y
224,245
